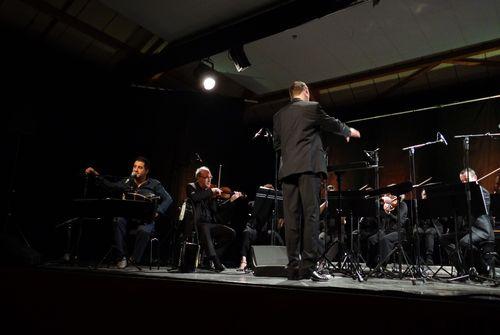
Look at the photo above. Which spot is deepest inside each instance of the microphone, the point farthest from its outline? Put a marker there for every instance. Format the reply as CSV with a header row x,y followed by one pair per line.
x,y
198,158
441,138
131,177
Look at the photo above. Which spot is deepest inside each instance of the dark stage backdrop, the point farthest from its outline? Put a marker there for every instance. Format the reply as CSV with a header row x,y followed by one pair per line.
x,y
60,132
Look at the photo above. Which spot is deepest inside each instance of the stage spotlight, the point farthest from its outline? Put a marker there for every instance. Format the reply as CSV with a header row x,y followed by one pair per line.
x,y
205,73
239,58
209,83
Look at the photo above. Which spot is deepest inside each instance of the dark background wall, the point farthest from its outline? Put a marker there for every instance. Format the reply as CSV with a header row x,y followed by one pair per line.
x,y
61,115
442,163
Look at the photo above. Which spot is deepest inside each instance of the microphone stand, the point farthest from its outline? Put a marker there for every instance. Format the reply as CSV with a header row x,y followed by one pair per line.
x,y
269,136
466,165
417,273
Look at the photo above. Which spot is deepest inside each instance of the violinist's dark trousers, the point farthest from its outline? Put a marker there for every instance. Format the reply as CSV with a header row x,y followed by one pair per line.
x,y
249,238
143,232
387,242
301,198
210,232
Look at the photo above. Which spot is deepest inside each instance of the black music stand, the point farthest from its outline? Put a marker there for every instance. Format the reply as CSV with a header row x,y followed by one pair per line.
x,y
430,209
356,204
264,209
454,196
421,274
466,166
396,190
109,208
348,264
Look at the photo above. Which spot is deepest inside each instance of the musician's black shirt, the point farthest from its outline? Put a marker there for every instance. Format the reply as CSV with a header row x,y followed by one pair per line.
x,y
150,188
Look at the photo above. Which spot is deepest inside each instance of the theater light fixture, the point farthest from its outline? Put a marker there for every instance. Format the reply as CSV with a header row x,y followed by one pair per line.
x,y
239,58
205,73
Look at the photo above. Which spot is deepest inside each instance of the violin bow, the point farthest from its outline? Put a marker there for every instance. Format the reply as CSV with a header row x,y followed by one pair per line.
x,y
218,178
489,174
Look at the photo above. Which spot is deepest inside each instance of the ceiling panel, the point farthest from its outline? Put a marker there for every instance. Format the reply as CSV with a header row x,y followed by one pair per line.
x,y
173,20
16,14
364,37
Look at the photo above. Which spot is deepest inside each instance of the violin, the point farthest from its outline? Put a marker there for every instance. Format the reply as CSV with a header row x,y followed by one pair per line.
x,y
226,192
390,200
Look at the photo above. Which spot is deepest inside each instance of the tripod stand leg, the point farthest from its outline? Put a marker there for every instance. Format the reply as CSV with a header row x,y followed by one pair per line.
x,y
104,258
354,267
382,262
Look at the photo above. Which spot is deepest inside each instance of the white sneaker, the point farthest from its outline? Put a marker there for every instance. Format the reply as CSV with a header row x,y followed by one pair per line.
x,y
122,263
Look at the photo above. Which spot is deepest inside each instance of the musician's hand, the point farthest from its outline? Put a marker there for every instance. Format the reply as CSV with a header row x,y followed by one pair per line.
x,y
216,191
235,196
354,133
90,170
281,223
387,208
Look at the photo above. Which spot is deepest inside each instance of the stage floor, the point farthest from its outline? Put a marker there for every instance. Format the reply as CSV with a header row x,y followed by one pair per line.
x,y
68,299
407,286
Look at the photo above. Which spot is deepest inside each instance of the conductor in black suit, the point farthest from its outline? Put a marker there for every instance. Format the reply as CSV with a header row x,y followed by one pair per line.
x,y
298,129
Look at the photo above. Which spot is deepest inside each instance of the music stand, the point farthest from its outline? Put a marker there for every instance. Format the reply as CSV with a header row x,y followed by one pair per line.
x,y
430,209
466,165
414,203
356,204
348,264
265,204
396,190
454,196
109,208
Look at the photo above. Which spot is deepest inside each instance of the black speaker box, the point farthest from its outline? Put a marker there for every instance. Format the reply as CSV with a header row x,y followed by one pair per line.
x,y
269,260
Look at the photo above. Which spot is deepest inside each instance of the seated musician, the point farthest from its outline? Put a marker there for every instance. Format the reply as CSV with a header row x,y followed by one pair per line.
x,y
257,229
206,206
482,229
392,218
149,188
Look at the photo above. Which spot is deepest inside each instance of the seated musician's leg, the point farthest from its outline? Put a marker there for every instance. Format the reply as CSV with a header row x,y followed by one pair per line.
x,y
249,238
387,242
119,238
223,236
373,251
141,240
430,236
205,237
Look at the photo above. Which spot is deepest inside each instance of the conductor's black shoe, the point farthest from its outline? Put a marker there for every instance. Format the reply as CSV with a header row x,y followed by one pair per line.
x,y
317,276
219,267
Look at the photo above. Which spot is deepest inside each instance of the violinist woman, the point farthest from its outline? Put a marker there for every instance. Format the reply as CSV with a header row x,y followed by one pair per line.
x,y
204,196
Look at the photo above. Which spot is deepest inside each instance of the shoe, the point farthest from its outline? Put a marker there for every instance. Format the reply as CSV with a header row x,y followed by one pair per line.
x,y
317,276
243,266
219,267
429,260
122,263
325,272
